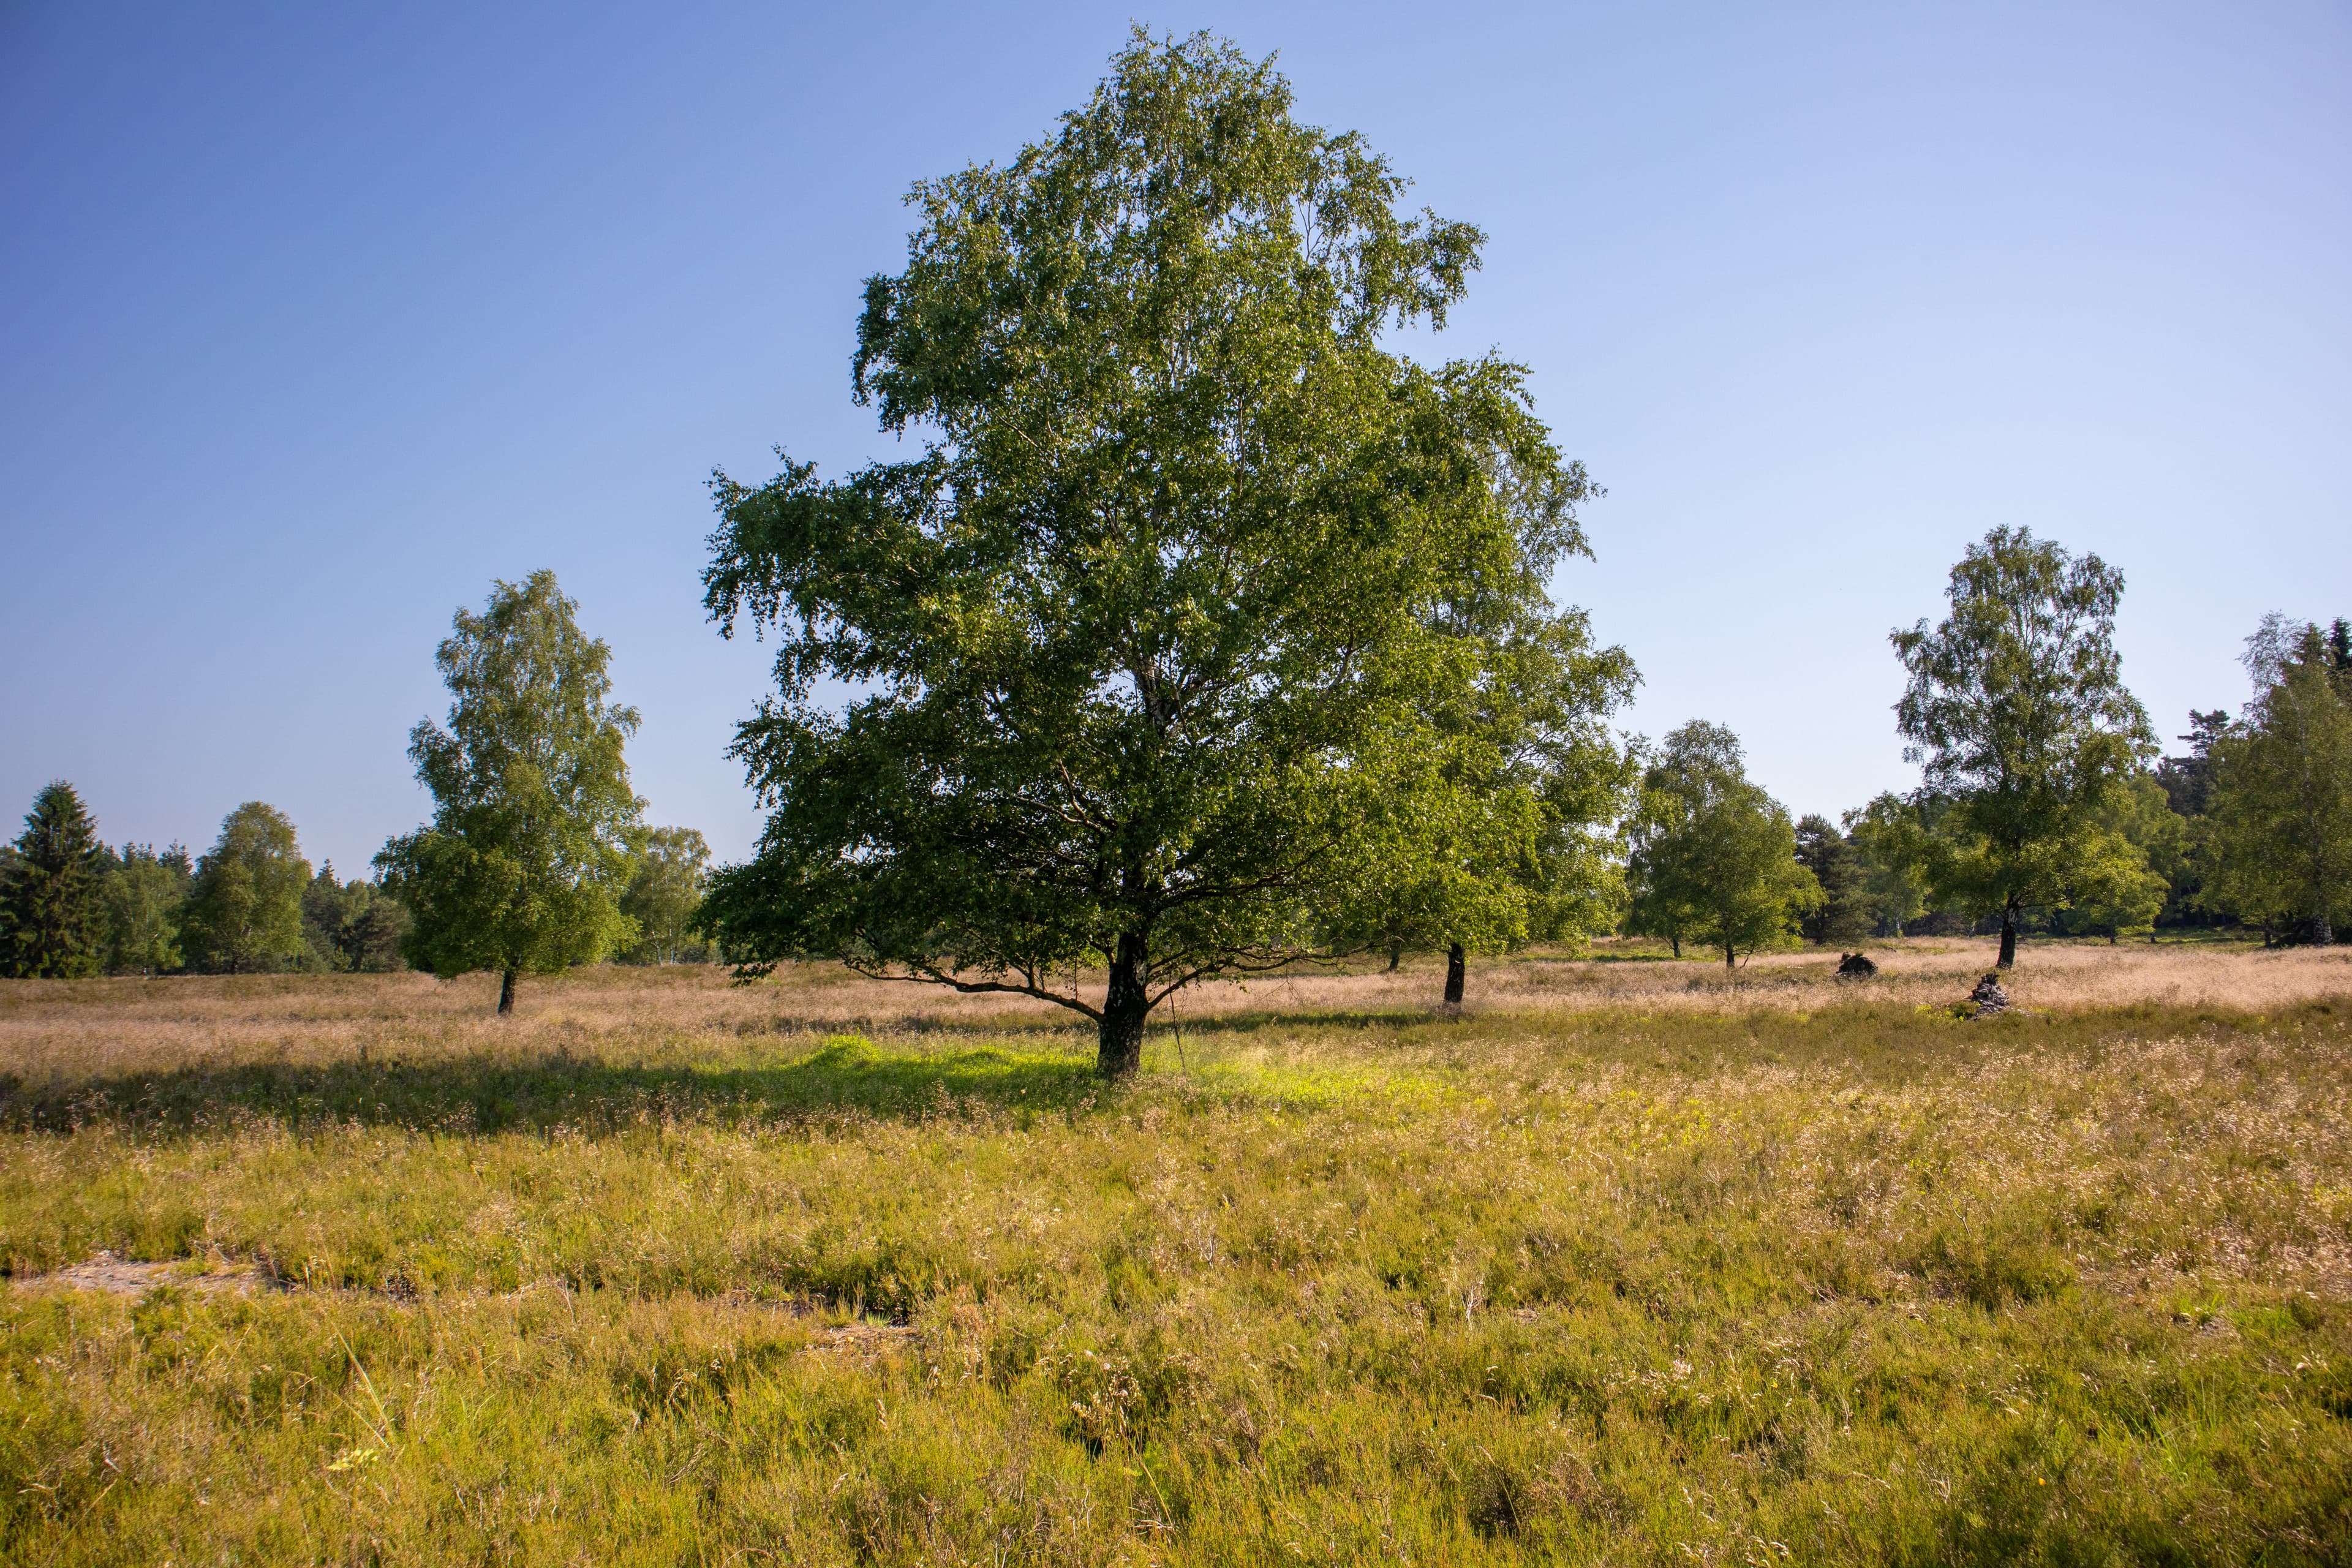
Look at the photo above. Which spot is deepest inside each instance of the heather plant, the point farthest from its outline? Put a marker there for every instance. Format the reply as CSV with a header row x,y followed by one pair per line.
x,y
1625,1271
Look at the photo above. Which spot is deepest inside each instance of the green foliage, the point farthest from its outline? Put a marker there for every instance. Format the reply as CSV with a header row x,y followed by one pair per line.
x,y
523,865
2127,876
1714,856
1848,911
1527,848
50,891
2016,704
141,898
664,893
2278,851
1892,840
244,909
1203,627
2187,782
353,927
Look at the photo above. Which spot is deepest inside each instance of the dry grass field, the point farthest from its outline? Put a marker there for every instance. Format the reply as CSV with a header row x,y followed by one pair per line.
x,y
1634,1261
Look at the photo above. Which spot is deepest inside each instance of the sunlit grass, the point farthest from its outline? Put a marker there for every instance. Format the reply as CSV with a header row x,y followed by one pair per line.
x,y
822,1271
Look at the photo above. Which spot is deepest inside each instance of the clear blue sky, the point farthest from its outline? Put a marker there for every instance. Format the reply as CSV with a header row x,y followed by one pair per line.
x,y
315,318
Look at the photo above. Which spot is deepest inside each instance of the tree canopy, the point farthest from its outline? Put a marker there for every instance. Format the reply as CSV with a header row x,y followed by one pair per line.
x,y
1715,857
2281,804
244,909
144,892
664,893
1162,648
2017,707
529,848
50,891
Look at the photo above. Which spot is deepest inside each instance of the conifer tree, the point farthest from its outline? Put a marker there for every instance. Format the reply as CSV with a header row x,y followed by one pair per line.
x,y
50,891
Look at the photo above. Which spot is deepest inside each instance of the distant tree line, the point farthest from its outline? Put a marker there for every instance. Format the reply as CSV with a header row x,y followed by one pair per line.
x,y
2043,810
71,906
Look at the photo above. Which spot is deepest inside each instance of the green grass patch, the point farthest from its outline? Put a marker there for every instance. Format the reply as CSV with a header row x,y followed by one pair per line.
x,y
1856,1285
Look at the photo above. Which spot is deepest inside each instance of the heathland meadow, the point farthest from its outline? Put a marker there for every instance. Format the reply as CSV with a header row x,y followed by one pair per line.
x,y
1629,1261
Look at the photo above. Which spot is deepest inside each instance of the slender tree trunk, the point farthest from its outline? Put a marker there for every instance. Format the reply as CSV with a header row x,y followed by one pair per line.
x,y
2008,935
1677,941
506,993
1118,1050
1456,966
1396,955
1731,956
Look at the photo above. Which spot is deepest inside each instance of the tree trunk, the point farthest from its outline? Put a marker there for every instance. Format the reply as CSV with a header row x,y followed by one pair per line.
x,y
1118,1050
1731,956
2007,936
1396,955
2322,926
506,994
1677,941
1456,964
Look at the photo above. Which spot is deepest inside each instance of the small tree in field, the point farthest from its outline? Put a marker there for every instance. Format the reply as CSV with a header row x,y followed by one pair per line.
x,y
50,891
1527,851
1715,858
523,865
2017,706
1170,647
243,911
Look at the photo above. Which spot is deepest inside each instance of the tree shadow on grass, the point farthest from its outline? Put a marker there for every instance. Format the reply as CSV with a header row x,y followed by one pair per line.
x,y
554,1091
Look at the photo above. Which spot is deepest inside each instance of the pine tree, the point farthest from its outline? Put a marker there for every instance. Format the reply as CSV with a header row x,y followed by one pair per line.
x,y
49,910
